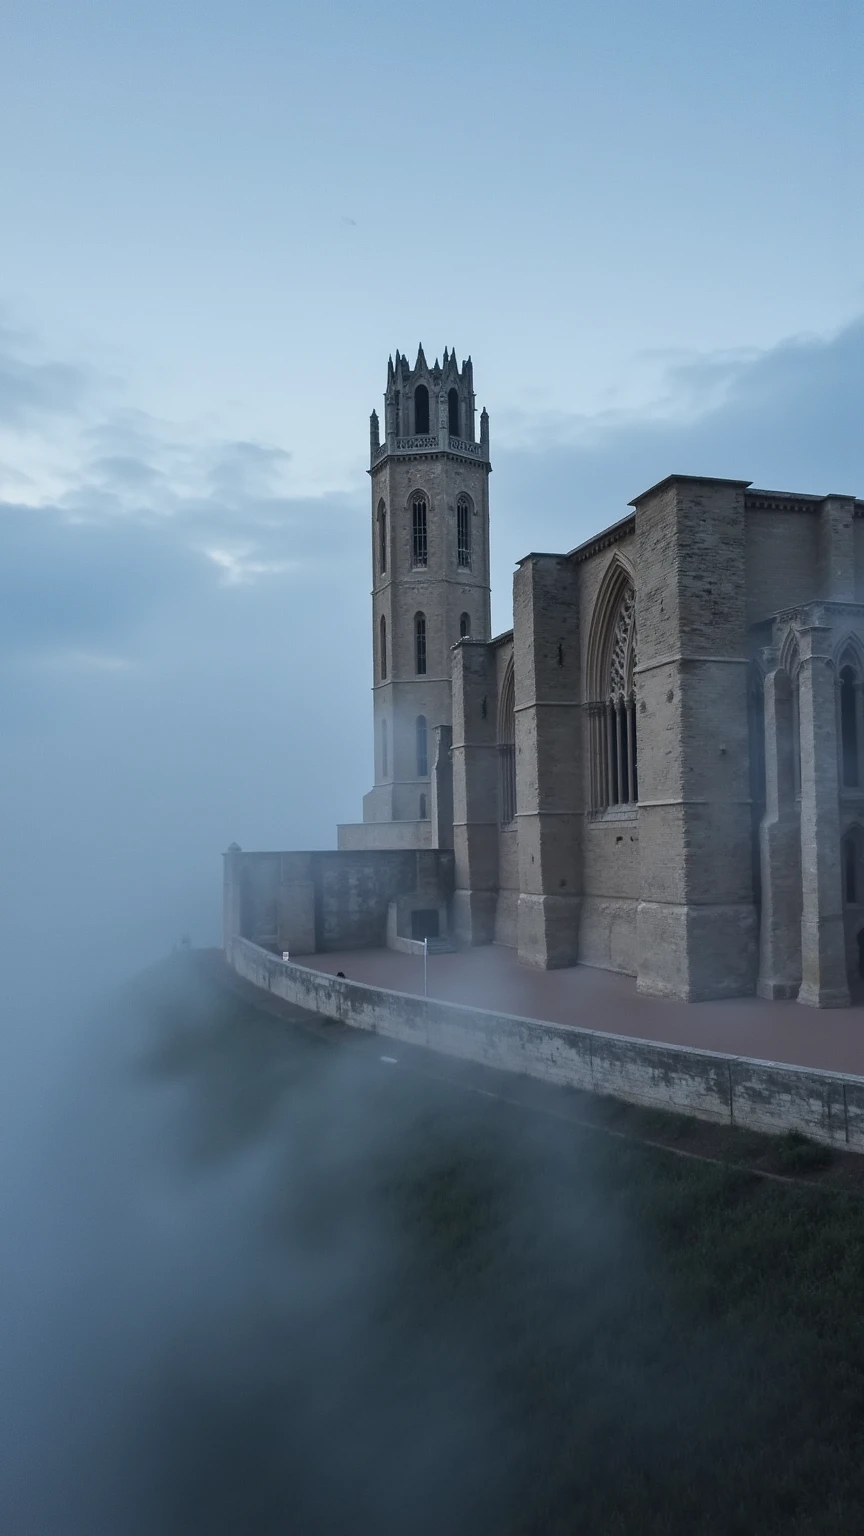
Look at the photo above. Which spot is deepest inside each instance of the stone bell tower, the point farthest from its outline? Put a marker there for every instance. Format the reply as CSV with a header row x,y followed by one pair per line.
x,y
430,578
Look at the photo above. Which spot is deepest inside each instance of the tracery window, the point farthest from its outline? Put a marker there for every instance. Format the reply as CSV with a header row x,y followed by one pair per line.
x,y
613,778
421,410
507,750
420,644
382,538
382,647
419,539
465,626
463,532
422,747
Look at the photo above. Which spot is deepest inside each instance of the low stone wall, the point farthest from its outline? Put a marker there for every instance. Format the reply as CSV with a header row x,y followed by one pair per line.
x,y
359,836
760,1096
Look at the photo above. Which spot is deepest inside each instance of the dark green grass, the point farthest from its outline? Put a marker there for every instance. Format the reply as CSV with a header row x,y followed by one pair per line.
x,y
485,1319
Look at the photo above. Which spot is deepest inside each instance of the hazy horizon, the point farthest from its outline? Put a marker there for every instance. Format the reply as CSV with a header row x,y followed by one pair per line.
x,y
213,238
223,1306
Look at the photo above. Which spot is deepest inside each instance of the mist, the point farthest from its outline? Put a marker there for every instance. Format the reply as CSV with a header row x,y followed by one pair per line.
x,y
208,1276
255,1280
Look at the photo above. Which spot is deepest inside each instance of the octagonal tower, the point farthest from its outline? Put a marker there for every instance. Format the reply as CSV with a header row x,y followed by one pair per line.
x,y
430,571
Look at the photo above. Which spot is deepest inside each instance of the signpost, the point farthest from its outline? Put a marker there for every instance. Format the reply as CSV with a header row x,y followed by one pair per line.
x,y
425,967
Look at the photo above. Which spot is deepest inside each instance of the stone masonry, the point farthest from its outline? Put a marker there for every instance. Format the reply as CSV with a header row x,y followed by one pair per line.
x,y
660,769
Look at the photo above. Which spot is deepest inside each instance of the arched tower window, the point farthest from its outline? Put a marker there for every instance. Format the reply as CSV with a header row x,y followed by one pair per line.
x,y
612,694
463,532
420,644
421,410
507,750
421,737
453,412
382,647
465,626
849,726
419,537
382,538
385,751
423,812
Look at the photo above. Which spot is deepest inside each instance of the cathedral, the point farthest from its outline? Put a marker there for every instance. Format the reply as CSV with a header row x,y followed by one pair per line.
x,y
659,769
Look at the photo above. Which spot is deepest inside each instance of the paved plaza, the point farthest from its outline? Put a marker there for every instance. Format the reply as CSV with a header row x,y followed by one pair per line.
x,y
490,977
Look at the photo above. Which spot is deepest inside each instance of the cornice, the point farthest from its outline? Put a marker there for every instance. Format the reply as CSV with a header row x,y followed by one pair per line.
x,y
612,535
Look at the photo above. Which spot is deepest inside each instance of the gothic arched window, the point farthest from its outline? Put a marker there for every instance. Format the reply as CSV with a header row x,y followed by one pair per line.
x,y
385,754
612,708
382,647
756,741
507,750
453,412
421,410
382,538
419,539
463,532
849,745
853,862
422,807
420,644
422,747
465,626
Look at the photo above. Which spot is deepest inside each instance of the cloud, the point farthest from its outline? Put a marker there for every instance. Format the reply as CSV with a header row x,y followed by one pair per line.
x,y
240,565
185,654
788,418
248,468
30,389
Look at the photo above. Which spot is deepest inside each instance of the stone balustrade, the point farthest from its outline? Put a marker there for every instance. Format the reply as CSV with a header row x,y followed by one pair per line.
x,y
460,445
428,443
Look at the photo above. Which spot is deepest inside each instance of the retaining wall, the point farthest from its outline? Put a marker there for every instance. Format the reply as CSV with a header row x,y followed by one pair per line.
x,y
757,1095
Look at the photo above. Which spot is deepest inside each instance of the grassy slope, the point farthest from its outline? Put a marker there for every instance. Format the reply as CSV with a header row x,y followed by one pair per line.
x,y
515,1324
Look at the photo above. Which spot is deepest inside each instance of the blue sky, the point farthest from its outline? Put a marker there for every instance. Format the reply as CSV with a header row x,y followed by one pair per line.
x,y
645,223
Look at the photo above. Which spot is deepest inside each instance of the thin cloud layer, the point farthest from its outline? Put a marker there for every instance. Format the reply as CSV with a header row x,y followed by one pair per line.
x,y
185,649
32,389
789,419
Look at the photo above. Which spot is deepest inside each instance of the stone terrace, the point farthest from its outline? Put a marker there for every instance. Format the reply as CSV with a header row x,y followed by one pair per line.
x,y
490,977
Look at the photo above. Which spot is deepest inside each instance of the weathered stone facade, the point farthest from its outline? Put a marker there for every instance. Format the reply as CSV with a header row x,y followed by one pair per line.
x,y
660,769
430,582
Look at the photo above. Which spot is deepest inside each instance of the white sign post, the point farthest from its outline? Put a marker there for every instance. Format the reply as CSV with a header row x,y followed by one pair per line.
x,y
425,967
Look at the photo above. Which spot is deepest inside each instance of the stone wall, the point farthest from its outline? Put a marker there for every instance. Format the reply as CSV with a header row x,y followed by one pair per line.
x,y
353,836
782,554
761,1096
307,903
